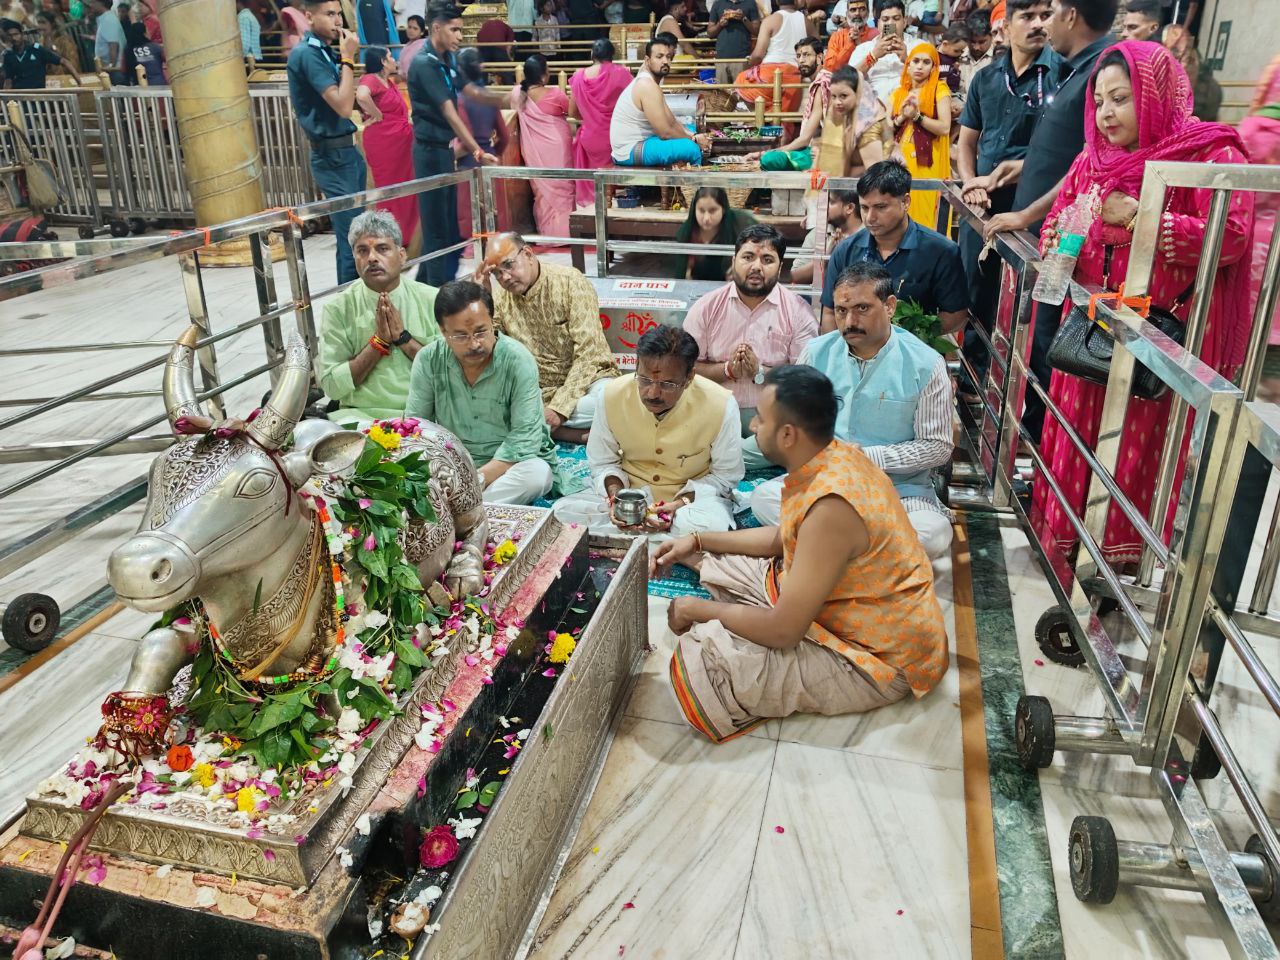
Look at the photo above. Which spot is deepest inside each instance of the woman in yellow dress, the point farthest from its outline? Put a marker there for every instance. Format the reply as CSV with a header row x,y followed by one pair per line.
x,y
921,113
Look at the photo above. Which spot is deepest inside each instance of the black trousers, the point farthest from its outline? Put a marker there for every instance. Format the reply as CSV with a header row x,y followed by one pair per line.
x,y
984,283
438,212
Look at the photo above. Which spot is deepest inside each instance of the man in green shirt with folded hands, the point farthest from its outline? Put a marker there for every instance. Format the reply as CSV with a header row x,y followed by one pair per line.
x,y
374,328
483,387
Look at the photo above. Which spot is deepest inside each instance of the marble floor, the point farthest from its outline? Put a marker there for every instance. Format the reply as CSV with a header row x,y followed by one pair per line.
x,y
852,837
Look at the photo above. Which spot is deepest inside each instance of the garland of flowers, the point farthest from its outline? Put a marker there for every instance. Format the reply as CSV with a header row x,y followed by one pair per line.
x,y
385,621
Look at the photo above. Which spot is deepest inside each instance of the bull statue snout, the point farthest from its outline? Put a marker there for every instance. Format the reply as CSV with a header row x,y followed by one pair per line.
x,y
152,572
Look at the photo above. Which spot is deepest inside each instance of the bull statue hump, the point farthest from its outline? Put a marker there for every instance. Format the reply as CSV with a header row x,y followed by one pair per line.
x,y
225,525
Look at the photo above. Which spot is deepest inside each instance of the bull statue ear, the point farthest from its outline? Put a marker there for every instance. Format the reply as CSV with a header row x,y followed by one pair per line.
x,y
322,448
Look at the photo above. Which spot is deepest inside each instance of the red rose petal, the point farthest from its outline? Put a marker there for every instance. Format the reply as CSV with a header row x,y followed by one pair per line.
x,y
1038,663
901,912
779,830
628,905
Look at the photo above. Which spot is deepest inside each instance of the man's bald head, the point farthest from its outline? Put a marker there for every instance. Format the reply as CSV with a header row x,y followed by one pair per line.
x,y
512,263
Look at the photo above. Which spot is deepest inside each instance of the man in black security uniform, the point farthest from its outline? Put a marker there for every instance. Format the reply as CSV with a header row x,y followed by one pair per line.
x,y
923,264
434,82
1003,105
322,88
25,64
1079,31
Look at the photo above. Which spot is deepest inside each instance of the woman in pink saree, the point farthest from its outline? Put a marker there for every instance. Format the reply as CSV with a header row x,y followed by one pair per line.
x,y
1260,131
1141,111
595,90
545,142
388,137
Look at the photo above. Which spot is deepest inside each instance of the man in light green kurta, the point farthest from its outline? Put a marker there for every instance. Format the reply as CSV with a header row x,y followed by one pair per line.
x,y
374,328
483,387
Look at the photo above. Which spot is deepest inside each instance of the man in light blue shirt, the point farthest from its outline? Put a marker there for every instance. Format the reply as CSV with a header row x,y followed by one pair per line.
x,y
108,40
895,401
250,31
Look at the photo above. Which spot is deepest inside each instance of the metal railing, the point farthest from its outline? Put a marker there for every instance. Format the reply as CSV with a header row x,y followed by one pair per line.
x,y
52,122
1159,708
1159,711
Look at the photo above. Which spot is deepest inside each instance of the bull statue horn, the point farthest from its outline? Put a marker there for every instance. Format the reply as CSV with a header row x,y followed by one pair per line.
x,y
179,388
273,425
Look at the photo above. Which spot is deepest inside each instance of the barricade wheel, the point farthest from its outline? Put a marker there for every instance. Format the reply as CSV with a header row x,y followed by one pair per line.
x,y
1270,907
30,622
86,232
1205,764
137,226
118,228
1034,732
1094,859
1053,634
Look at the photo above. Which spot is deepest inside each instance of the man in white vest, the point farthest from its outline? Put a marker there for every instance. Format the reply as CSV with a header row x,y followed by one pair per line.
x,y
895,401
668,432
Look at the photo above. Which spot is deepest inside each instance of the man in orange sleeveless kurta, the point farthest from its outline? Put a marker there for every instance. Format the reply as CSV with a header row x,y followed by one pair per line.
x,y
832,612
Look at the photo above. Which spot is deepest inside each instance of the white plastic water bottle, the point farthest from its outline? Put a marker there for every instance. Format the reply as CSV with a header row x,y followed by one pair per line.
x,y
1059,266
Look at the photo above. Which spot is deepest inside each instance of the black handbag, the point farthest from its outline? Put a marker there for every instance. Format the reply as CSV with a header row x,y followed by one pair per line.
x,y
1082,347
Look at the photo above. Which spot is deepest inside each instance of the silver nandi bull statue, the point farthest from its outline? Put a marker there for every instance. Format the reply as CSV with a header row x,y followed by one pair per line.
x,y
224,523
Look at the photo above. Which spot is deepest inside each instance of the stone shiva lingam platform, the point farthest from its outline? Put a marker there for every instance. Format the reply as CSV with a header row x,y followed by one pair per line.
x,y
367,713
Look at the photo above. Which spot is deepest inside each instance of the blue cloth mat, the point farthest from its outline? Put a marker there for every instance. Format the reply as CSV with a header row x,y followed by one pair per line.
x,y
682,581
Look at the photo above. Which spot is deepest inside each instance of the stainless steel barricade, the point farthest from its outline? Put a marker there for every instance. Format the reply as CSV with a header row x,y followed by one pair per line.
x,y
1159,710
140,139
55,128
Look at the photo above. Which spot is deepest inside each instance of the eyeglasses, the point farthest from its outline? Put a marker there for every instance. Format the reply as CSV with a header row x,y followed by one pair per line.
x,y
664,385
509,264
478,336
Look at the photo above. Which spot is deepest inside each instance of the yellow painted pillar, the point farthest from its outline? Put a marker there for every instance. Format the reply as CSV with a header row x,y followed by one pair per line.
x,y
215,118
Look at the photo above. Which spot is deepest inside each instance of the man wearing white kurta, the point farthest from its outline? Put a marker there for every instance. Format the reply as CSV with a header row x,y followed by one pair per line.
x,y
668,432
896,401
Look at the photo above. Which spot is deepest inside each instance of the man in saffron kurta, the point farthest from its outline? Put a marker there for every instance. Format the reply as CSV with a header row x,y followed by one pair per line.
x,y
832,612
372,330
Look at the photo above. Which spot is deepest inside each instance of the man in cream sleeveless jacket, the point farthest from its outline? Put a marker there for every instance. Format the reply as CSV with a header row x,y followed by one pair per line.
x,y
895,401
668,431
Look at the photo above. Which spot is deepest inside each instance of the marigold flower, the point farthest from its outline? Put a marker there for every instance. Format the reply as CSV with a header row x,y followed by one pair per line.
x,y
505,552
247,799
204,775
179,758
562,648
387,439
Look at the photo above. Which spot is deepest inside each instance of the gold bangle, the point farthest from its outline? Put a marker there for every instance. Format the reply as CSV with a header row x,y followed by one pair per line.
x,y
697,541
1133,221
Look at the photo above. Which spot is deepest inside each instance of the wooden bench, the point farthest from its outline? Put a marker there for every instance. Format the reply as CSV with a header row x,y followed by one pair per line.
x,y
650,223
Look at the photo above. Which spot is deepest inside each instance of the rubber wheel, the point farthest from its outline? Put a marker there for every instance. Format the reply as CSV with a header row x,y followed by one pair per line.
x,y
1270,907
137,226
118,228
1107,605
30,622
86,232
1093,859
1057,642
1033,732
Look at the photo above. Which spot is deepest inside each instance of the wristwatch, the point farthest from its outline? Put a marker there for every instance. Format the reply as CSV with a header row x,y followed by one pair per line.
x,y
401,340
759,377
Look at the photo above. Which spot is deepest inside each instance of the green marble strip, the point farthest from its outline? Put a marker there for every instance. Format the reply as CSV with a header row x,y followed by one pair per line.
x,y
11,658
1032,929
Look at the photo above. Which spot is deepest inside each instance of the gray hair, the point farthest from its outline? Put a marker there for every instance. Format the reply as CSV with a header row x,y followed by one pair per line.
x,y
375,223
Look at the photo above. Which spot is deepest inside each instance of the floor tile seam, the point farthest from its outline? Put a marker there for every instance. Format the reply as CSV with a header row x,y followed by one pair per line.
x,y
869,755
755,851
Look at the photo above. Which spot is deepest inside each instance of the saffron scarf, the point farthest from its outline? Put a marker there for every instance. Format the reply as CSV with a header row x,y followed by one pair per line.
x,y
927,97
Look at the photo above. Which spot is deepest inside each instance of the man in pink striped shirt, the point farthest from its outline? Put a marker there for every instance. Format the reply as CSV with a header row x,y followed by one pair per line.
x,y
750,325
